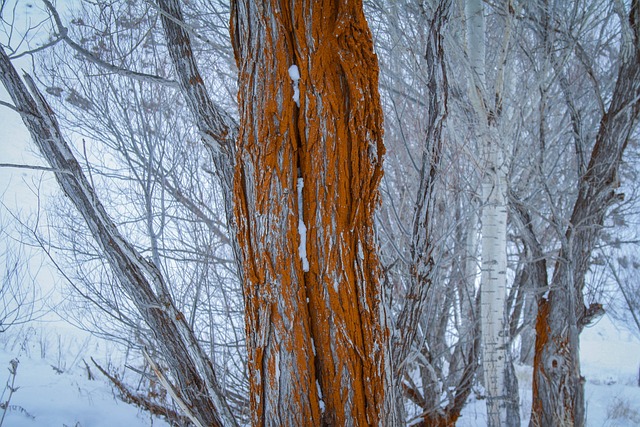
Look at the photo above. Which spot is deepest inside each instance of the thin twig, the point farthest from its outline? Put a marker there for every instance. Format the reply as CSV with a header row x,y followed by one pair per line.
x,y
171,390
11,106
63,34
34,167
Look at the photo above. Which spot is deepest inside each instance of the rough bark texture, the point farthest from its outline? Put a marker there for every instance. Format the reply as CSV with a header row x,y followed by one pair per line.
x,y
315,332
532,281
558,388
216,126
141,279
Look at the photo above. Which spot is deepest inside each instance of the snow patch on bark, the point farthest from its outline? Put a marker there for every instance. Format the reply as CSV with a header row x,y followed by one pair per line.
x,y
302,228
294,74
320,398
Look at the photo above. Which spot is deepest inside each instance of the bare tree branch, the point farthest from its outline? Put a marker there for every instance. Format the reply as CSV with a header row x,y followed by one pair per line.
x,y
37,49
141,279
63,34
33,167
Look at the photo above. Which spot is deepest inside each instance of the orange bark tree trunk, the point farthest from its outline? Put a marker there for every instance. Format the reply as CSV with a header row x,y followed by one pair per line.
x,y
309,160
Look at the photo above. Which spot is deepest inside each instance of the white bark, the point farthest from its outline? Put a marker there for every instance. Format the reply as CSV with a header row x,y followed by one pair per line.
x,y
474,12
495,352
493,284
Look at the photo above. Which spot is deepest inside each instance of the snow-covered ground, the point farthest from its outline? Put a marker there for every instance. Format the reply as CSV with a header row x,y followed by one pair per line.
x,y
610,358
53,388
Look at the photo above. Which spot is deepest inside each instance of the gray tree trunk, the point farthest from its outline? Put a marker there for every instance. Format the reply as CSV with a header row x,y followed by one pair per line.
x,y
141,279
558,387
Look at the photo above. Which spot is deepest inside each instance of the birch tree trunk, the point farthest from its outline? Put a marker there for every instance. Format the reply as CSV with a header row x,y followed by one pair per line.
x,y
493,285
308,166
558,388
495,349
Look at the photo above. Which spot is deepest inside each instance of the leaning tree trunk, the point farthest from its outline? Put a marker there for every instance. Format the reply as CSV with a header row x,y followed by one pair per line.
x,y
218,130
558,388
196,388
308,166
